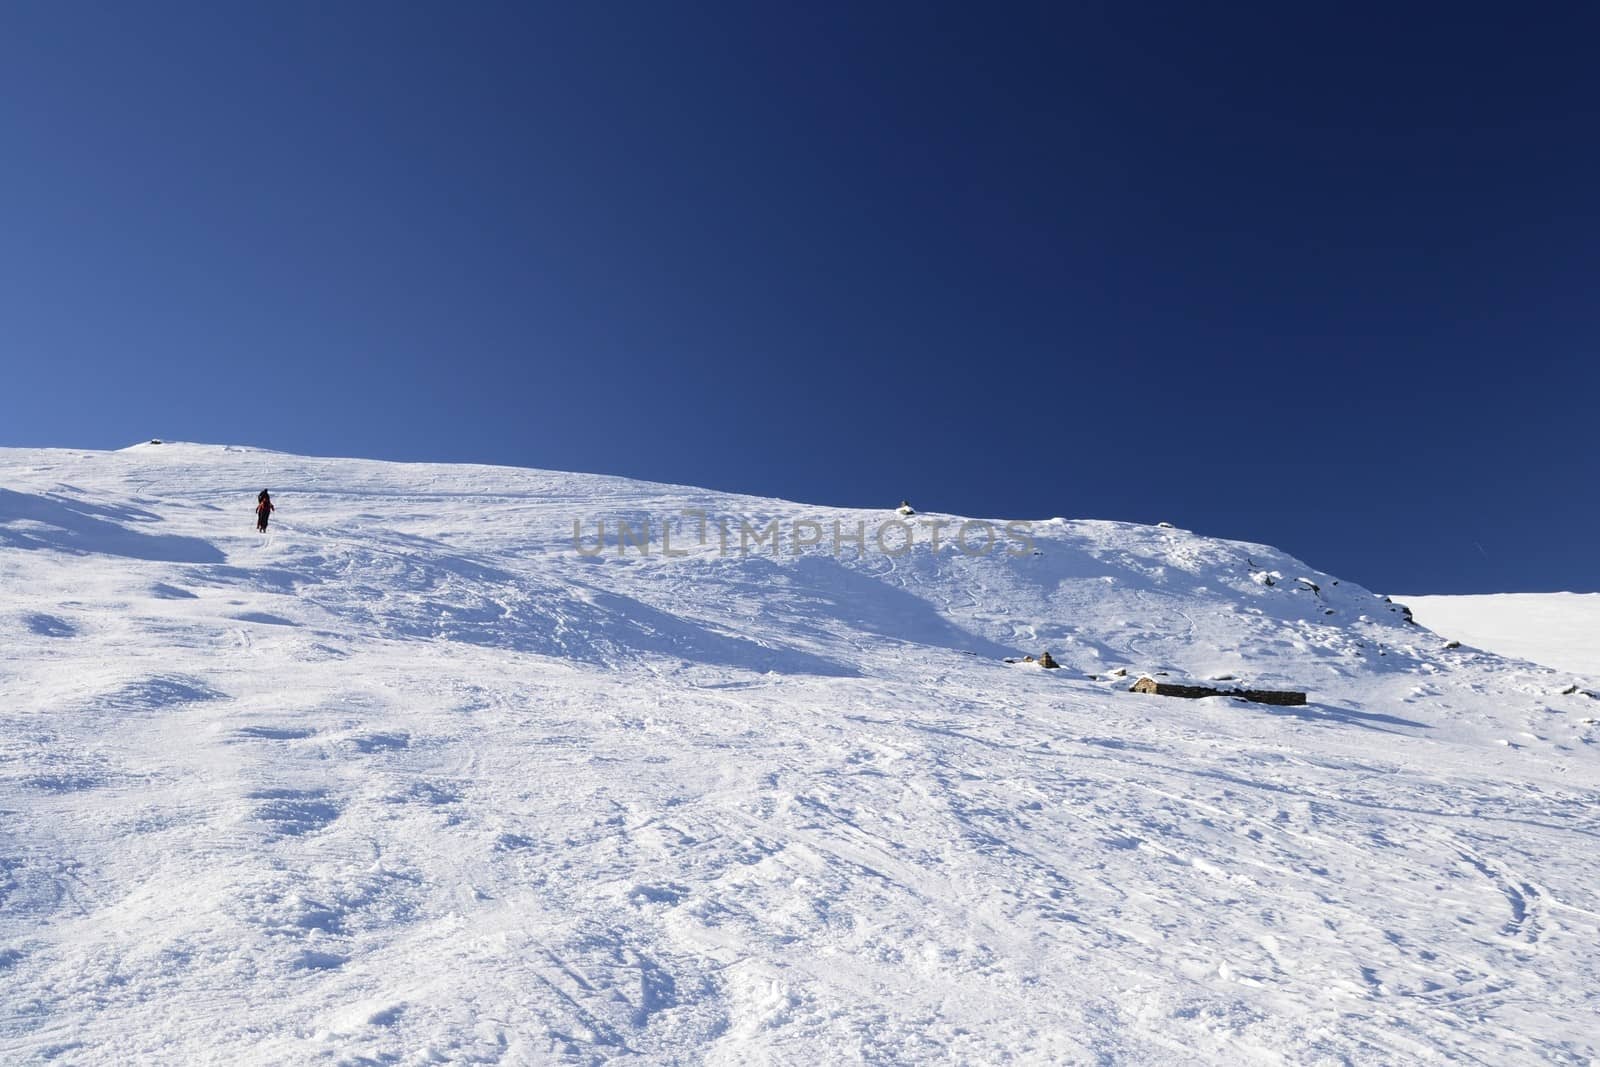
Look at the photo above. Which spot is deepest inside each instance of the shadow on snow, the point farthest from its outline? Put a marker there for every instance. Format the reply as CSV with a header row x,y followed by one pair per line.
x,y
31,521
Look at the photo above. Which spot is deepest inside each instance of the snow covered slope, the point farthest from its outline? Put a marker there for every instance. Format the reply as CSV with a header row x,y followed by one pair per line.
x,y
415,780
1560,630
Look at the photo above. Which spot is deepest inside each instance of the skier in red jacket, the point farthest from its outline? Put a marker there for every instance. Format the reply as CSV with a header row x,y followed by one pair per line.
x,y
263,509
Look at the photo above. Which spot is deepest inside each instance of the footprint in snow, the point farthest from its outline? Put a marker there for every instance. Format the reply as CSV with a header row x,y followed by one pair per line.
x,y
426,793
381,742
308,960
264,619
157,692
273,733
293,812
66,782
669,893
49,625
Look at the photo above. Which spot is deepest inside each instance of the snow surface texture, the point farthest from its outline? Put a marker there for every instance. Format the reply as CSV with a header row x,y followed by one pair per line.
x,y
413,781
1560,630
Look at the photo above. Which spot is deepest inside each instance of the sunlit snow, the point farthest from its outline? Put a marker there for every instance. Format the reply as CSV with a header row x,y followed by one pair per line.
x,y
414,779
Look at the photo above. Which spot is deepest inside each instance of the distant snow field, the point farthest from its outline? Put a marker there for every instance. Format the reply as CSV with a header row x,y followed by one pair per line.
x,y
416,779
1559,630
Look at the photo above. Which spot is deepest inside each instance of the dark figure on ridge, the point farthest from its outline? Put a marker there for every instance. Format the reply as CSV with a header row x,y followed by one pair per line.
x,y
263,509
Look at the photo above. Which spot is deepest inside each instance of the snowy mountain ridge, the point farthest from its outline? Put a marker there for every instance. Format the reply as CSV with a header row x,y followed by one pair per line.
x,y
422,775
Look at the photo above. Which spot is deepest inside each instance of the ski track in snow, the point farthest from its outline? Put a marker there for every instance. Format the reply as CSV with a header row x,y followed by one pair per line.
x,y
411,781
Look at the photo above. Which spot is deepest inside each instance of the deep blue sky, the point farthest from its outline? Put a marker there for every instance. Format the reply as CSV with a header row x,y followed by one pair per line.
x,y
1326,279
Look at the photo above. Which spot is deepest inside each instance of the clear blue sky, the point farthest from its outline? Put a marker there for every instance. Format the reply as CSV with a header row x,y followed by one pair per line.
x,y
1326,279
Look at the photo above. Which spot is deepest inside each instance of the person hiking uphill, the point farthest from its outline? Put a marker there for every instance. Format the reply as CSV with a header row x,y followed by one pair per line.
x,y
263,509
